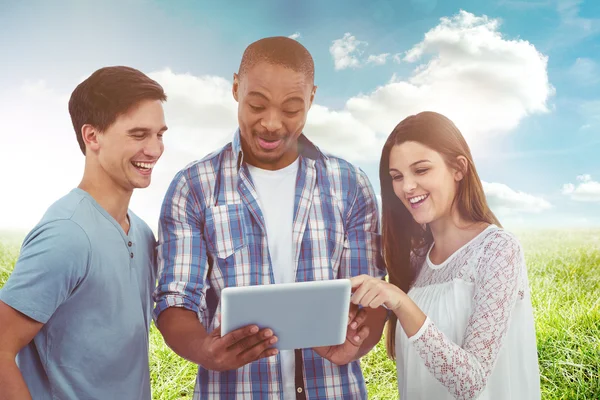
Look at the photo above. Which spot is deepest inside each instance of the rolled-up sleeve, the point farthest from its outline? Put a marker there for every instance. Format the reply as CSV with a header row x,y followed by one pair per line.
x,y
362,251
182,255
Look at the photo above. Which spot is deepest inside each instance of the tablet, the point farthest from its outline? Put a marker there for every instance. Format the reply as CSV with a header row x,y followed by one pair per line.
x,y
301,314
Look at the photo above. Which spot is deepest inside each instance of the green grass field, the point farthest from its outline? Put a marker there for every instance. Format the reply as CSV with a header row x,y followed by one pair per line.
x,y
564,273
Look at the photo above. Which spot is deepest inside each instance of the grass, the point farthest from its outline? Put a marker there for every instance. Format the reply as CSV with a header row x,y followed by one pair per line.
x,y
564,273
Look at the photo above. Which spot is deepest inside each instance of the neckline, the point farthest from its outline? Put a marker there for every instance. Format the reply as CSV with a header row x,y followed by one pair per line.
x,y
451,256
289,169
109,217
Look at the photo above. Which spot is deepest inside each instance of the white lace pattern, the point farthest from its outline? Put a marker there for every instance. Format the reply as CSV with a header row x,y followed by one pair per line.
x,y
493,262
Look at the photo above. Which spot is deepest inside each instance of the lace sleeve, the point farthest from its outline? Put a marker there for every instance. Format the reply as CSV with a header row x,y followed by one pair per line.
x,y
465,370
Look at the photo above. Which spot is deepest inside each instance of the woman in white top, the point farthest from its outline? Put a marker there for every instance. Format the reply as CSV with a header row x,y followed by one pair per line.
x,y
462,325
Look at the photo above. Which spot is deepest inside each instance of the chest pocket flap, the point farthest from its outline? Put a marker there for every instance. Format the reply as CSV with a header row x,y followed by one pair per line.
x,y
224,229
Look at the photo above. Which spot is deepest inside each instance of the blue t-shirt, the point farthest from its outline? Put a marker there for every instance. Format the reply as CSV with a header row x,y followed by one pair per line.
x,y
91,286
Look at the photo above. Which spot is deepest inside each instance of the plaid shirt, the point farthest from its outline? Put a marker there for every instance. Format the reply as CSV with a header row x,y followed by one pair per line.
x,y
212,235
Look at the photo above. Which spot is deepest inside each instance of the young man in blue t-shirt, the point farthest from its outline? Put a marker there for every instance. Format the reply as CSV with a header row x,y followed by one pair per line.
x,y
75,313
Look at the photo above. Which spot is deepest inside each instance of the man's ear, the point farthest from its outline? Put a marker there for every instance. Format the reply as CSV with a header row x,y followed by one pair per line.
x,y
236,86
312,95
461,169
90,135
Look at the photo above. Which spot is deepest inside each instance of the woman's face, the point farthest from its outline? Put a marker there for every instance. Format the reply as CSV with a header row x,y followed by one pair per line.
x,y
423,181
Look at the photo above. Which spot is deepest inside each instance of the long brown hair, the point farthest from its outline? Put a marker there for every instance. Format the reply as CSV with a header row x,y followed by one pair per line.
x,y
401,234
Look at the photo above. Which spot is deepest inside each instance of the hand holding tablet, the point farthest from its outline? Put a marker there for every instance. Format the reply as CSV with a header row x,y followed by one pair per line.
x,y
301,315
237,348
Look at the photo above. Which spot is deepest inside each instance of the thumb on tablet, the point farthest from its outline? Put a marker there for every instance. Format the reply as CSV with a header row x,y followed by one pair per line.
x,y
217,331
352,313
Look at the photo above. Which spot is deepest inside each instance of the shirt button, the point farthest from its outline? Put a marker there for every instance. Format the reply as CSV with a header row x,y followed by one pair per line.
x,y
129,244
299,390
131,255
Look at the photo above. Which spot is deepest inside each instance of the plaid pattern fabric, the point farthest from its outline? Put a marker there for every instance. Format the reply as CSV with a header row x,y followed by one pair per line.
x,y
212,235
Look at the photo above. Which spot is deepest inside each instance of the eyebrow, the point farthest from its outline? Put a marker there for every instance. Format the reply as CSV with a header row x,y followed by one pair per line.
x,y
415,163
291,99
139,129
258,94
418,162
294,99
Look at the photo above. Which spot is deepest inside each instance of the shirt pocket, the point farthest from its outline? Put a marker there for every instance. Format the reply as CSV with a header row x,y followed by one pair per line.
x,y
225,229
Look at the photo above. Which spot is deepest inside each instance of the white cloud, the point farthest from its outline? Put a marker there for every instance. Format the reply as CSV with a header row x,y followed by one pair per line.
x,y
397,58
39,154
506,201
573,27
378,59
200,112
585,71
348,51
39,147
464,64
586,190
345,51
340,133
295,35
485,83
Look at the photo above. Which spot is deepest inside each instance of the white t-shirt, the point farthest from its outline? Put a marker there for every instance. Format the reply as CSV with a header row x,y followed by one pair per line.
x,y
276,192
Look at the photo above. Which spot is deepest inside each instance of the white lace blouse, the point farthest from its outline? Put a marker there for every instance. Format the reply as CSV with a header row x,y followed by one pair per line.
x,y
478,341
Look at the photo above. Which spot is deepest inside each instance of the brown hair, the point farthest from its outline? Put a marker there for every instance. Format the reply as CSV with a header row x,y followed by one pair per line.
x,y
108,93
278,50
401,234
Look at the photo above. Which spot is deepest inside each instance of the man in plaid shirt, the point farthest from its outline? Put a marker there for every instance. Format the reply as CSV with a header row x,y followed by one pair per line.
x,y
269,207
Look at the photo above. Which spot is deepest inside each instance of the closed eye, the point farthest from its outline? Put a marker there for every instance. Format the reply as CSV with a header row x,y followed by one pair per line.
x,y
421,171
397,177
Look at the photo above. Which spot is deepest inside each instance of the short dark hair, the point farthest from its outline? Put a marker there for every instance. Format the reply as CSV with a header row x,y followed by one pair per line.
x,y
278,50
108,93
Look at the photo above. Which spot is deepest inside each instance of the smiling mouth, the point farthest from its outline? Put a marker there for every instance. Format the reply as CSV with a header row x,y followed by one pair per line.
x,y
143,167
418,200
268,144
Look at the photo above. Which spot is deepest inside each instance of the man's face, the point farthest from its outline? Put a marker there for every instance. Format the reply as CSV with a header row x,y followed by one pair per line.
x,y
128,150
273,102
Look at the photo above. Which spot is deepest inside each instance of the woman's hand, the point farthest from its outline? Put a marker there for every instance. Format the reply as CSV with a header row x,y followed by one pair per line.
x,y
374,292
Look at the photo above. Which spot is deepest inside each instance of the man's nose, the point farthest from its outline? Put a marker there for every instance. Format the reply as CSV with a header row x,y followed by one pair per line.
x,y
272,121
154,148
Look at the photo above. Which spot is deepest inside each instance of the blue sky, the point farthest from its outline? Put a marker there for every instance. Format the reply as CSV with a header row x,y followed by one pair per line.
x,y
521,79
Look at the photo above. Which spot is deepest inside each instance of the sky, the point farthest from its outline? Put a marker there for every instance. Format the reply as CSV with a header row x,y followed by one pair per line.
x,y
520,79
